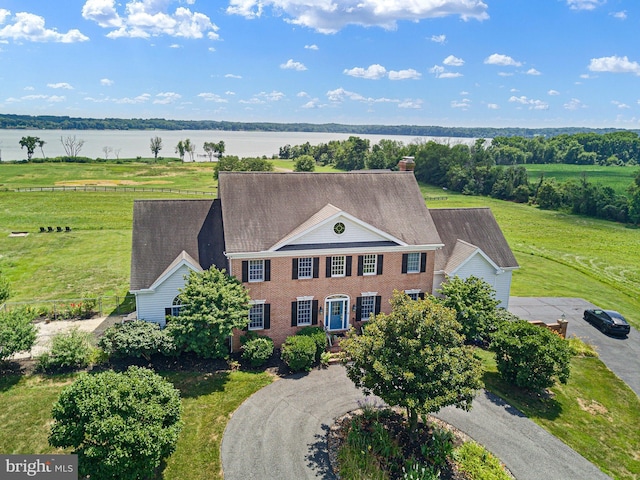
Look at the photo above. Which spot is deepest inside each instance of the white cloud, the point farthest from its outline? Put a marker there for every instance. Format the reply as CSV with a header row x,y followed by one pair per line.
x,y
533,71
493,106
166,98
439,39
463,104
231,75
530,102
412,104
614,64
409,74
291,65
574,104
147,18
584,4
273,96
311,47
440,72
330,16
553,92
212,97
340,95
505,74
501,60
313,104
143,98
63,85
620,104
622,15
106,82
372,72
30,27
453,61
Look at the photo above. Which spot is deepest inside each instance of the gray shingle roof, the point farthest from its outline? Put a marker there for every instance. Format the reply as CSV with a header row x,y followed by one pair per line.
x,y
476,226
262,208
162,229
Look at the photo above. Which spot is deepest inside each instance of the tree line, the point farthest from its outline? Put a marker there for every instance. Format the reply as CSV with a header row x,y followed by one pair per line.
x,y
12,121
480,169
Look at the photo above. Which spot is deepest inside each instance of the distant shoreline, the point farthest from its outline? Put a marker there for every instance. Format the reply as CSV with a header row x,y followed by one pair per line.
x,y
49,122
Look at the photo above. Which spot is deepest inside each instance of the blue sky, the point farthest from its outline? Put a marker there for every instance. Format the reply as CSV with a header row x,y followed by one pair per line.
x,y
500,63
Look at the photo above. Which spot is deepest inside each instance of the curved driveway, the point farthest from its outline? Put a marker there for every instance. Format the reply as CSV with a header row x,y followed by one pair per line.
x,y
280,433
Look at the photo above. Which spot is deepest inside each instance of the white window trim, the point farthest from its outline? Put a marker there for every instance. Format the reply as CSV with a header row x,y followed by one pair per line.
x,y
300,277
344,266
255,280
257,302
417,270
373,307
375,264
300,300
414,291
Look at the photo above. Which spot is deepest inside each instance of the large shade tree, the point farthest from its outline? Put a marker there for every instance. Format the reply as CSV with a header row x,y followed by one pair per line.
x,y
213,305
30,143
414,358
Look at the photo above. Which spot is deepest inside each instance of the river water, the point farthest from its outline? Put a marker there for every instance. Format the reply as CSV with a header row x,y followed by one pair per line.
x,y
136,143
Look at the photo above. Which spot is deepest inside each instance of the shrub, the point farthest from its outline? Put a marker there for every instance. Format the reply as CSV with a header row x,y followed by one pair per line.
x,y
257,351
304,163
529,356
136,339
72,349
476,462
17,332
5,288
121,425
299,352
319,337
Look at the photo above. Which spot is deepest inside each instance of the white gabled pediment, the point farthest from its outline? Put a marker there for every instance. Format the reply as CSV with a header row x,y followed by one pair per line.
x,y
183,259
462,253
320,229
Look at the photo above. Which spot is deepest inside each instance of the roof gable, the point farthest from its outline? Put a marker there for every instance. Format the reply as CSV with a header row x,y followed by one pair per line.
x,y
462,254
475,226
261,209
320,229
183,259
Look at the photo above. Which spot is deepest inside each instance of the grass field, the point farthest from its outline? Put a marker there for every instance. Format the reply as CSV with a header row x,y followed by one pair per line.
x,y
618,178
559,254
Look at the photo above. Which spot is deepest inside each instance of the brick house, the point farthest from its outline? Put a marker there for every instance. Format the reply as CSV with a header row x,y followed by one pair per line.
x,y
312,248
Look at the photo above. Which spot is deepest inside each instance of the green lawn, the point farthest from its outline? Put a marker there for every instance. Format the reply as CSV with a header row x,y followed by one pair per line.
x,y
618,178
595,413
208,400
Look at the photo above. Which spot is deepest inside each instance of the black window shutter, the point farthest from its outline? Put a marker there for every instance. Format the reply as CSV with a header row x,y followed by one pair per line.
x,y
267,316
328,272
167,312
316,267
314,312
405,261
267,270
245,271
294,269
421,295
379,265
378,304
360,265
348,261
423,262
294,314
358,309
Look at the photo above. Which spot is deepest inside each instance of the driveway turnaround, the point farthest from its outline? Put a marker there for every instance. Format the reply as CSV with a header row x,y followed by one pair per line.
x,y
280,432
620,355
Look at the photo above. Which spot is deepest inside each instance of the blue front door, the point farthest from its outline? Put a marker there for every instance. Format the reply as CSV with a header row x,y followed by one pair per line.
x,y
336,313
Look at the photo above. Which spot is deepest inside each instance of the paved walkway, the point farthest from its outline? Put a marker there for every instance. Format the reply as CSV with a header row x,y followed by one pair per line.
x,y
280,433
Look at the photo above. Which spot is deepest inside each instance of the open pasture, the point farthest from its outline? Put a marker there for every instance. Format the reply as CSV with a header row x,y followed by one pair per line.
x,y
618,178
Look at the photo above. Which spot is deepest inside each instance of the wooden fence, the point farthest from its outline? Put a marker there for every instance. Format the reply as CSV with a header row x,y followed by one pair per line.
x,y
106,188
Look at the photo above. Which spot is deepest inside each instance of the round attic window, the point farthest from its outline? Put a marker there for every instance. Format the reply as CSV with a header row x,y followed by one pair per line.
x,y
339,228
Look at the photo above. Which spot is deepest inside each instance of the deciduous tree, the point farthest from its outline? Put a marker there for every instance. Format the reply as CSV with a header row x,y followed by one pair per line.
x,y
156,146
72,146
414,358
121,425
213,305
17,332
30,143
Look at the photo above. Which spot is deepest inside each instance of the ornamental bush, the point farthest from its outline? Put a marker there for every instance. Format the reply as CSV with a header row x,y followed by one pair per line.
x,y
121,425
72,349
17,332
319,337
257,351
531,357
299,352
136,339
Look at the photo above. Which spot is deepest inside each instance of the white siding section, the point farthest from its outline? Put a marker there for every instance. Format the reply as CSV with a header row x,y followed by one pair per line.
x,y
478,266
325,234
438,280
150,305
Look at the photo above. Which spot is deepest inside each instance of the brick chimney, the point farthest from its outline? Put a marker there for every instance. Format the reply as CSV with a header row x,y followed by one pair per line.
x,y
406,164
